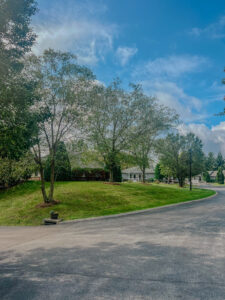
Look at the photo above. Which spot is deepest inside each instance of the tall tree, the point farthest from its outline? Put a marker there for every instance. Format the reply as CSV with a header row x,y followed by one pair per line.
x,y
16,36
219,161
113,113
220,176
152,120
172,160
174,152
210,162
16,88
62,88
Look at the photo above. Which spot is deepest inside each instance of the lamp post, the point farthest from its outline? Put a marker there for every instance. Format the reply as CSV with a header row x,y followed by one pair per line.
x,y
190,169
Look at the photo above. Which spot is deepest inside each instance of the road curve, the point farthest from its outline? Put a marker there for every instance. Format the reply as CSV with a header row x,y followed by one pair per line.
x,y
175,252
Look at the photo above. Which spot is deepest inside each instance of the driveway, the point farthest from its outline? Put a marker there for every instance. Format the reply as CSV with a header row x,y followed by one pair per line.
x,y
170,253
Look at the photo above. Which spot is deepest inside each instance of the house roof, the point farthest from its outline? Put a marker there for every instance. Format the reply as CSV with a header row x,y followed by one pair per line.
x,y
136,170
214,173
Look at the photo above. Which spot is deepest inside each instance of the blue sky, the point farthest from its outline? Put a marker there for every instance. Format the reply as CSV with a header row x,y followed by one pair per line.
x,y
174,48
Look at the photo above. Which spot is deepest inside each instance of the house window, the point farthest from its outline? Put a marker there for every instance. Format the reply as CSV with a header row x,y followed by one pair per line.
x,y
134,175
130,175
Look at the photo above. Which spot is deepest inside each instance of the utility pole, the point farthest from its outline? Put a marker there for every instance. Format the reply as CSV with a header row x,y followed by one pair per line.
x,y
190,168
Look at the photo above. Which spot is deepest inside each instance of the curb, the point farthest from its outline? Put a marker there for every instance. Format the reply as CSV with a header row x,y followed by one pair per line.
x,y
142,211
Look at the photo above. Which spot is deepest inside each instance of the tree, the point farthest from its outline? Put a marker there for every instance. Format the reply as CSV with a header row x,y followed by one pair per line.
x,y
62,165
17,121
158,175
194,144
174,152
220,176
210,162
113,113
152,120
16,36
62,88
206,176
219,161
173,162
16,89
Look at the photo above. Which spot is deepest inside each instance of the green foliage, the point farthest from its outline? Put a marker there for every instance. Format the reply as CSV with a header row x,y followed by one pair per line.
x,y
210,162
206,177
62,165
16,36
220,176
219,161
89,174
158,175
16,89
13,172
17,123
175,156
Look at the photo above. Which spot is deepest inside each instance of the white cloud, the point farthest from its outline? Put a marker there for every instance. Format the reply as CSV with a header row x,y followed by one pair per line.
x,y
124,54
175,65
213,138
188,107
78,30
162,77
215,30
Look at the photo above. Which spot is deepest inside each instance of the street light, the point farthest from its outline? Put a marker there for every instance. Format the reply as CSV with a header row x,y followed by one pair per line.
x,y
190,169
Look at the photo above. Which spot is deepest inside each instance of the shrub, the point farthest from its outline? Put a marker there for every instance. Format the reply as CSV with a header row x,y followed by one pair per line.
x,y
89,174
13,172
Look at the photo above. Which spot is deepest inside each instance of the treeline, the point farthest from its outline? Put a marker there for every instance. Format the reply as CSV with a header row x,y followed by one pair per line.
x,y
50,101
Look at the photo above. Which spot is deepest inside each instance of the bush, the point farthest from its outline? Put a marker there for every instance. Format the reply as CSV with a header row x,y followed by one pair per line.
x,y
89,174
13,172
62,165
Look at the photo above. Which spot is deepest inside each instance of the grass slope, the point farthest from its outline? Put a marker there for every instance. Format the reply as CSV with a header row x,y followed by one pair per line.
x,y
87,199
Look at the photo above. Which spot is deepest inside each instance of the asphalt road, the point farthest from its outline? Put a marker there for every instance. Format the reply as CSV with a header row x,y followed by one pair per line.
x,y
170,253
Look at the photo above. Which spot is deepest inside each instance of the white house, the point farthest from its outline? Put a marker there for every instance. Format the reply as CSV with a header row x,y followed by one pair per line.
x,y
135,174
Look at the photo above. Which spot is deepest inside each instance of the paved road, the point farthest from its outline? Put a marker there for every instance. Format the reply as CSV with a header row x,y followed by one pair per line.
x,y
169,253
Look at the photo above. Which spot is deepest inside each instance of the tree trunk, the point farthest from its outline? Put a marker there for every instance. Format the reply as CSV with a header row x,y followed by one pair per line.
x,y
143,175
52,180
181,182
111,175
45,198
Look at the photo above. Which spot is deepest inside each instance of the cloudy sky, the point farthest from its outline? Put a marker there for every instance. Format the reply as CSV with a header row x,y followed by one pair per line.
x,y
174,48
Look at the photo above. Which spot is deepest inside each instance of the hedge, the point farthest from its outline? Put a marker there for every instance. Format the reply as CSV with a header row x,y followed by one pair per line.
x,y
89,174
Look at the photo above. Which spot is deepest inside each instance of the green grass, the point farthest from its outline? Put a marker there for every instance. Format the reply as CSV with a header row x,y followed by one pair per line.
x,y
88,199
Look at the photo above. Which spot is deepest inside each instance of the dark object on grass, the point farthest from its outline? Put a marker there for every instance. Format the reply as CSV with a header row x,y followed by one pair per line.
x,y
51,221
54,215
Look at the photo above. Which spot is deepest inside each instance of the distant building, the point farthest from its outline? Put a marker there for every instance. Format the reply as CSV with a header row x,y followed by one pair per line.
x,y
135,174
200,179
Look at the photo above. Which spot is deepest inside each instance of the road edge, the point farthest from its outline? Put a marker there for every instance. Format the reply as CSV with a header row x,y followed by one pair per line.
x,y
142,211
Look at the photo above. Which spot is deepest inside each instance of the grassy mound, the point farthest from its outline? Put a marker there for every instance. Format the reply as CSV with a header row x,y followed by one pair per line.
x,y
19,205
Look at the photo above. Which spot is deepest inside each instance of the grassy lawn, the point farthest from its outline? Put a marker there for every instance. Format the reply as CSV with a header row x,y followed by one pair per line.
x,y
88,199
